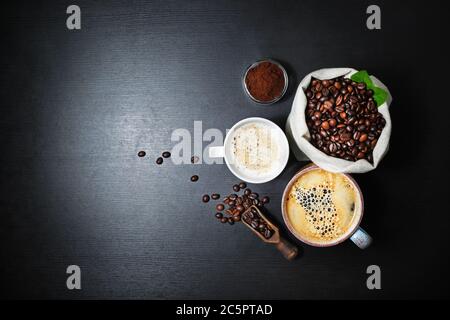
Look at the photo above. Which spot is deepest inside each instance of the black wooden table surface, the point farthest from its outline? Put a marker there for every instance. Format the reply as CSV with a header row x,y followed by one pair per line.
x,y
77,106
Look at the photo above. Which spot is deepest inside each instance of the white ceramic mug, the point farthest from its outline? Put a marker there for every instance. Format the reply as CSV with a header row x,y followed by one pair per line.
x,y
225,151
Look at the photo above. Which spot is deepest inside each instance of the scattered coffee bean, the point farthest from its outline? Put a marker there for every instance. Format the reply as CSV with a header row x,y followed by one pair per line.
x,y
242,185
166,154
215,196
159,160
141,154
219,215
247,192
253,195
205,198
224,220
194,178
236,188
231,221
194,159
265,199
220,207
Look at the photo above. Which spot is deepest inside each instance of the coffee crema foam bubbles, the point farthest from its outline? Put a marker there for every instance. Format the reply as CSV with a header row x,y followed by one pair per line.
x,y
255,149
321,206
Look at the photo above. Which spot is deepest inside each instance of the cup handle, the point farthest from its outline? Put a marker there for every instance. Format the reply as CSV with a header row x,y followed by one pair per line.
x,y
361,238
216,152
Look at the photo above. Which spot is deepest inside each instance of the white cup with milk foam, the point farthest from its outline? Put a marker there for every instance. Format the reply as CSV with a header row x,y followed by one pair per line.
x,y
256,150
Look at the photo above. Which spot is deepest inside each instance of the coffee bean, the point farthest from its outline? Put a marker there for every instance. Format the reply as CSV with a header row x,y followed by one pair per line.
x,y
224,220
265,199
194,159
328,104
339,109
373,143
345,136
194,178
205,198
253,195
240,208
233,197
332,122
247,192
350,143
236,188
361,86
237,218
317,115
230,221
219,215
166,154
332,147
363,138
159,160
242,185
325,125
141,154
215,196
268,234
220,207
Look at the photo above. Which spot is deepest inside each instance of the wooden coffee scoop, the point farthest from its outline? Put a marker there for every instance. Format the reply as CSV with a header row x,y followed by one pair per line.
x,y
268,232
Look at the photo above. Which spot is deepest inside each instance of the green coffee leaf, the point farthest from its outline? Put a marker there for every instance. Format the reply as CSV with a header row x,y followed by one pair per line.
x,y
362,76
379,95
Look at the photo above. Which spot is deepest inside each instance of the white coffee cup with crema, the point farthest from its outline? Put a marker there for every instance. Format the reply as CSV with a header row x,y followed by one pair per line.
x,y
255,150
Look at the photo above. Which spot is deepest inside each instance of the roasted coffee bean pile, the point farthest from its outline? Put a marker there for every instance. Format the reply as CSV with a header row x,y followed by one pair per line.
x,y
254,219
343,119
233,206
